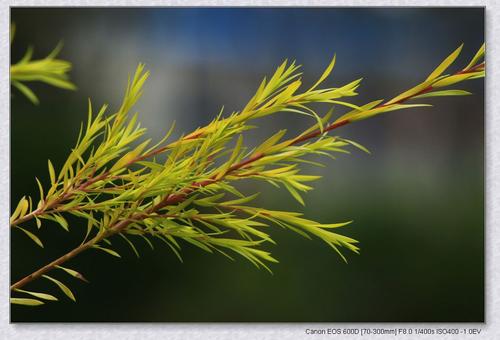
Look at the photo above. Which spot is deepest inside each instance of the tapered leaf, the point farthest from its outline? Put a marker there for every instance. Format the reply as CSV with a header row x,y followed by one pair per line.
x,y
445,64
52,172
443,93
73,273
61,286
453,80
31,236
325,74
109,251
411,92
26,91
62,222
131,245
26,302
42,296
21,208
476,58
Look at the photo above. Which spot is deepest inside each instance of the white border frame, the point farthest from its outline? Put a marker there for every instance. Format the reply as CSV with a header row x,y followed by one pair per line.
x,y
489,330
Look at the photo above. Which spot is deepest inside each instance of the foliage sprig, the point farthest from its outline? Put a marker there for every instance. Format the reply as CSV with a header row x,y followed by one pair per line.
x,y
49,70
186,189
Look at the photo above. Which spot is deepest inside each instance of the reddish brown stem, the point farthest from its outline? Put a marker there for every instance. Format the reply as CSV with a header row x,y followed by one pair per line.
x,y
319,132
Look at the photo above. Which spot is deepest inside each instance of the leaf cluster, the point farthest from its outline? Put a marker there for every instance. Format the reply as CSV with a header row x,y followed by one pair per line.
x,y
49,70
185,191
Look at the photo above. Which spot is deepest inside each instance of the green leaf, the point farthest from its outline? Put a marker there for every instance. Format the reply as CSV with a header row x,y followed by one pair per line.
x,y
444,93
26,91
55,51
240,200
90,225
477,75
73,273
38,295
147,241
21,208
129,156
453,79
169,240
62,286
209,201
26,302
325,74
198,244
232,158
359,146
31,236
130,244
407,94
27,56
40,187
477,57
52,173
57,82
62,222
379,110
445,64
294,193
109,251
365,107
270,142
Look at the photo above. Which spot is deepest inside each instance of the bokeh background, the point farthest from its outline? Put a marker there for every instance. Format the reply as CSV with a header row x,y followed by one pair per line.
x,y
417,201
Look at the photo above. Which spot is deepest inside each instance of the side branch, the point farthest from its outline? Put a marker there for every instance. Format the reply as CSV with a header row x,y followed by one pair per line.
x,y
168,200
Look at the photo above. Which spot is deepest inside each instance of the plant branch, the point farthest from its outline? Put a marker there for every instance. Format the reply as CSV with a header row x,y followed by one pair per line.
x,y
171,198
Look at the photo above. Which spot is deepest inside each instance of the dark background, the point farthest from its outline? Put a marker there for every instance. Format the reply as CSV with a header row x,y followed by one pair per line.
x,y
417,202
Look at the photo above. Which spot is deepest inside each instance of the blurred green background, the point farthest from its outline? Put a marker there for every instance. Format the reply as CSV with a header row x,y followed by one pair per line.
x,y
417,201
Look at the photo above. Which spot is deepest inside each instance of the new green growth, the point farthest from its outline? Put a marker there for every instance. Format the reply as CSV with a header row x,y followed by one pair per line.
x,y
123,186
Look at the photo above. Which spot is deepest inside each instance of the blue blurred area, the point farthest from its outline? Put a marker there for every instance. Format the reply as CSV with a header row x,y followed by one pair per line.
x,y
417,201
242,36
